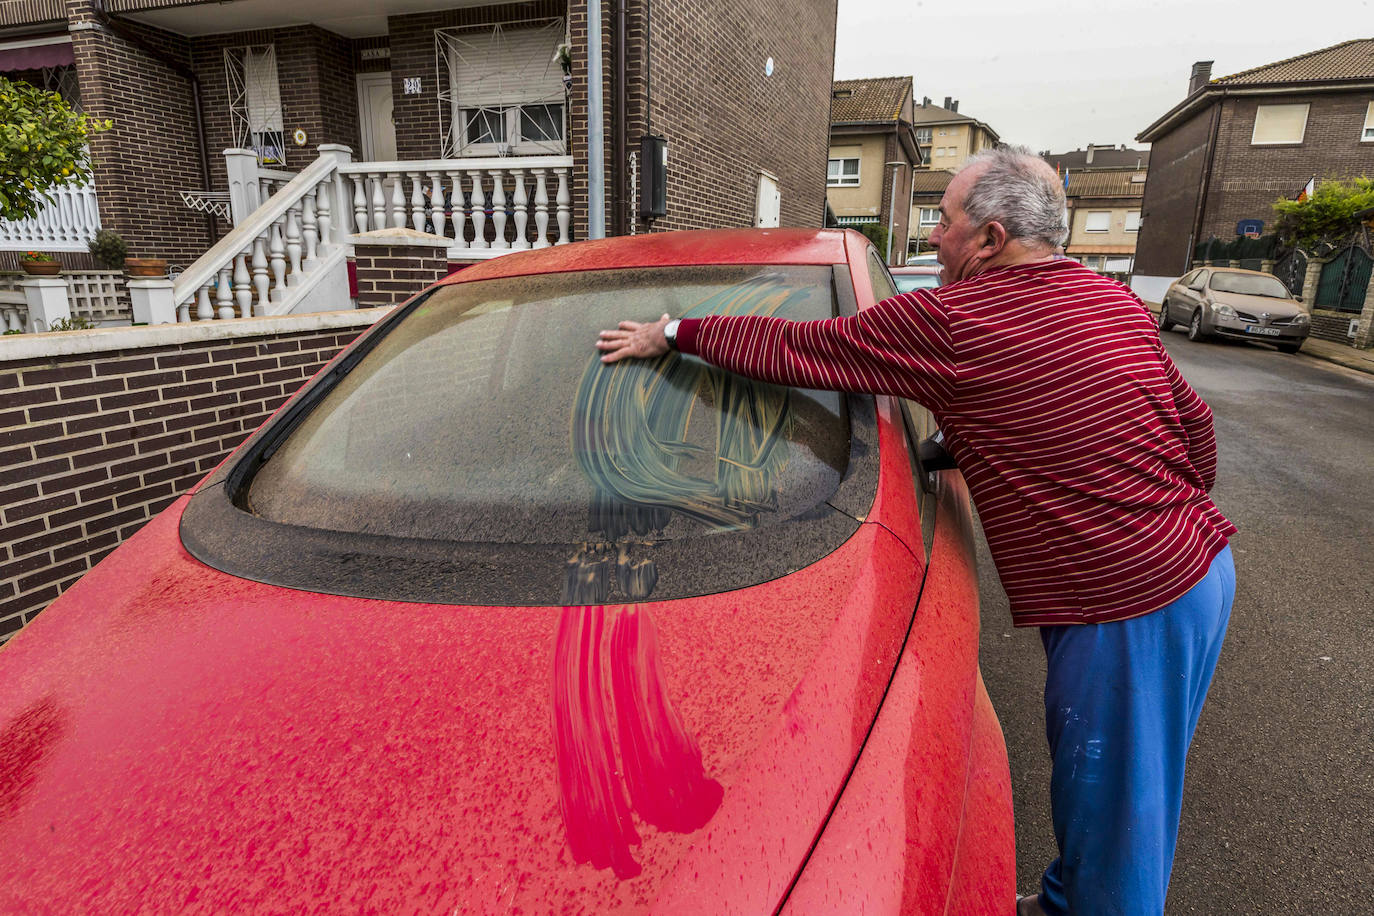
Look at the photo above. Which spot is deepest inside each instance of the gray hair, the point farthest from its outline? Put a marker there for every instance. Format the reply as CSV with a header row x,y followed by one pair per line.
x,y
1018,189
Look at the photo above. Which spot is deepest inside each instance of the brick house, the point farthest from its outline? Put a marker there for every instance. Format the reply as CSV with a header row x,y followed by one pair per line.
x,y
1104,186
872,145
1234,145
928,186
742,109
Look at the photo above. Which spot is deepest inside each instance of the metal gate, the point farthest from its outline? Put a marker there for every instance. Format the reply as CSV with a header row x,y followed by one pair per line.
x,y
1344,280
1291,269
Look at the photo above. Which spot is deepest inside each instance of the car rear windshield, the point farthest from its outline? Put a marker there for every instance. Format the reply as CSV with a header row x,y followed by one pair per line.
x,y
484,420
907,282
1249,285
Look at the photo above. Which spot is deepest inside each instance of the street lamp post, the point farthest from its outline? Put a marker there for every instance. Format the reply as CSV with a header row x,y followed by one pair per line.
x,y
892,208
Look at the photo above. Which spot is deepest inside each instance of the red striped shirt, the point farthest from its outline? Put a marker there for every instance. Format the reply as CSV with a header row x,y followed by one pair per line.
x,y
1087,454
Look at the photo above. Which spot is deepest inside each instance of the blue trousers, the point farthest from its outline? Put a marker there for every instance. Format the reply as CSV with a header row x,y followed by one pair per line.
x,y
1121,702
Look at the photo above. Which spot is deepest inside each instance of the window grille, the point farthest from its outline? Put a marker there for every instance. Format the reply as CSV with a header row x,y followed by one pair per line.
x,y
255,102
62,80
501,89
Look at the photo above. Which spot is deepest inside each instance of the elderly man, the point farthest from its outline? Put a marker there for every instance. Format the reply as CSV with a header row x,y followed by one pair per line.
x,y
1090,460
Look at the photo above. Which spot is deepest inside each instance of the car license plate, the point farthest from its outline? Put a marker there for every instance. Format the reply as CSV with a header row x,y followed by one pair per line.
x,y
1267,332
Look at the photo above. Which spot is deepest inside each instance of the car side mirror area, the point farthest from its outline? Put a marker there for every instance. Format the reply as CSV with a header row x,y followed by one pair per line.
x,y
933,456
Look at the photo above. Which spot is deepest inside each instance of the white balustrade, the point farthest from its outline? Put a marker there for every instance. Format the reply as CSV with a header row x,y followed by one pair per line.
x,y
66,223
484,205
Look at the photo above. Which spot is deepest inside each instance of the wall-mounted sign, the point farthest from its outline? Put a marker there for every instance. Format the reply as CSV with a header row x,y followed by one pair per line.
x,y
299,136
768,67
1250,228
375,53
411,85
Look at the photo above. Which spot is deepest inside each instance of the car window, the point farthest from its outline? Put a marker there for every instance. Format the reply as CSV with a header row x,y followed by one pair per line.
x,y
907,282
1200,281
1187,278
483,422
1250,285
883,287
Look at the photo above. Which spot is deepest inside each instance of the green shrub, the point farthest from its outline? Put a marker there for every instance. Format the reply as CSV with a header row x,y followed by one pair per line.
x,y
109,249
42,146
74,323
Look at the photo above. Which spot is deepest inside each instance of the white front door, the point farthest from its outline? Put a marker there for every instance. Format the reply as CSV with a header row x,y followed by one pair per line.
x,y
374,117
768,206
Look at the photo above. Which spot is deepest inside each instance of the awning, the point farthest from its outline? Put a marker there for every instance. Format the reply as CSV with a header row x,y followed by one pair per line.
x,y
36,56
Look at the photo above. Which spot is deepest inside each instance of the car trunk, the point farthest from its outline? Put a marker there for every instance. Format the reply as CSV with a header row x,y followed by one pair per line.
x,y
173,738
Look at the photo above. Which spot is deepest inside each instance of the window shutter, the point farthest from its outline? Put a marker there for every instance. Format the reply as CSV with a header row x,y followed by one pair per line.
x,y
263,95
1280,124
502,66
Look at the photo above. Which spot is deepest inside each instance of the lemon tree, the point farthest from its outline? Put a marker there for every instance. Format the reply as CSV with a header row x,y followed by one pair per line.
x,y
42,146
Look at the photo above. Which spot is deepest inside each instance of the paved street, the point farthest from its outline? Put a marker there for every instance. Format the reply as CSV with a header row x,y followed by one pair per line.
x,y
1279,809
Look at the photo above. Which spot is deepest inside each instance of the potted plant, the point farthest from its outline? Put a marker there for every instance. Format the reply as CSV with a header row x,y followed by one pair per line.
x,y
108,249
145,267
39,264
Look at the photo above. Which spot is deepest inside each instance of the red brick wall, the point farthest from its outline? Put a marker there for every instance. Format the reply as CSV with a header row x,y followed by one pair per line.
x,y
1246,179
1170,203
92,446
151,152
389,274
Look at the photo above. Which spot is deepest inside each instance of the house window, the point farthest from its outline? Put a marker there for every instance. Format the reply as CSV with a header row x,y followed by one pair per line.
x,y
1368,123
1279,124
255,102
930,216
501,90
1098,221
1132,220
939,151
923,135
842,173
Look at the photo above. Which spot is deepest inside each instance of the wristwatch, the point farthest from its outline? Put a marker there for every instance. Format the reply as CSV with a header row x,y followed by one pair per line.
x,y
670,333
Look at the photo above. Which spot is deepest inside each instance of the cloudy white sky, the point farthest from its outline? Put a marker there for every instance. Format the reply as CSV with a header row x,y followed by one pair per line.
x,y
1060,75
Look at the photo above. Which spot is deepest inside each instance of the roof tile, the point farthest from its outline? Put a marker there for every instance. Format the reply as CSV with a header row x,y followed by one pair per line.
x,y
1352,59
877,99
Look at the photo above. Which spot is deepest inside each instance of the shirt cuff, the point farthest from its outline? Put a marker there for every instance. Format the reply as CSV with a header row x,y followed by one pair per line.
x,y
687,335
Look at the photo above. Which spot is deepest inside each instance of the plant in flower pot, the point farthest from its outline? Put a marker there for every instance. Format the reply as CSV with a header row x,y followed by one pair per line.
x,y
39,264
108,249
145,267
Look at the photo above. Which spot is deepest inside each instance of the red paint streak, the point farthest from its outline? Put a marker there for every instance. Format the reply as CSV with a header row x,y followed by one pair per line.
x,y
23,745
660,761
668,786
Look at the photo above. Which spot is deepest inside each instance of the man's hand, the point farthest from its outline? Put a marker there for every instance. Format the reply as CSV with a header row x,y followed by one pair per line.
x,y
633,339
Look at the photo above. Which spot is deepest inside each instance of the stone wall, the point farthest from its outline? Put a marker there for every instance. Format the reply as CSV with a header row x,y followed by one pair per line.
x,y
101,430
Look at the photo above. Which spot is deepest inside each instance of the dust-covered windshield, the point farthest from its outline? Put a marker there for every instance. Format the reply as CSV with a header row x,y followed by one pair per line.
x,y
1249,285
485,417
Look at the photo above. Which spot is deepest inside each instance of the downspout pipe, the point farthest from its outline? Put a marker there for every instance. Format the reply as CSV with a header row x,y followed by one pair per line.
x,y
117,28
596,127
1204,186
620,206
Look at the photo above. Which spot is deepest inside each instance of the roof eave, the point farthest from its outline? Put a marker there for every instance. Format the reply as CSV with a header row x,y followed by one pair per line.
x,y
1214,91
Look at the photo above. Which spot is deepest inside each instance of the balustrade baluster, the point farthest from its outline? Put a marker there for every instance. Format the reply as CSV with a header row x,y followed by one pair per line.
x,y
378,220
418,217
184,312
277,256
521,203
541,208
498,210
398,201
224,295
243,289
260,278
309,233
293,244
564,212
479,212
324,194
436,201
360,202
460,216
204,311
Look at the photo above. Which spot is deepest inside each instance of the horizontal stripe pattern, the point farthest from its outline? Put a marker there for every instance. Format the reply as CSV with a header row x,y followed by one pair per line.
x,y
1087,454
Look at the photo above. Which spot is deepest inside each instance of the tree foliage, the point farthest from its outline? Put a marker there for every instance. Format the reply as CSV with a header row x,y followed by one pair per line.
x,y
1327,216
42,146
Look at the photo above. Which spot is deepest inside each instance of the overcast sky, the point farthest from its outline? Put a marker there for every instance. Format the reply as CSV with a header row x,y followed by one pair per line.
x,y
1060,75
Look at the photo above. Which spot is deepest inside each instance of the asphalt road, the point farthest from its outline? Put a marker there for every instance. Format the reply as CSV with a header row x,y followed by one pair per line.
x,y
1279,803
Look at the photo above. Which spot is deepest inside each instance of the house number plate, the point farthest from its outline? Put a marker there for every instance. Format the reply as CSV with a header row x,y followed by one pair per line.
x,y
411,85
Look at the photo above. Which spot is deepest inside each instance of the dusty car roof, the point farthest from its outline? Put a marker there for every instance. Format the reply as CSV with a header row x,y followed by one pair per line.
x,y
671,249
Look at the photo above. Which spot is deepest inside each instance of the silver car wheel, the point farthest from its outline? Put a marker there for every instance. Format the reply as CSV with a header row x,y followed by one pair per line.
x,y
1164,322
1195,327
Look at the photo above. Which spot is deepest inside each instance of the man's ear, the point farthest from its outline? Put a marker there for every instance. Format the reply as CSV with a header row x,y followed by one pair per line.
x,y
994,239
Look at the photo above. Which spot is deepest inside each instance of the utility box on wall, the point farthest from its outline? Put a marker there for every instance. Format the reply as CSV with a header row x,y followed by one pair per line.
x,y
653,189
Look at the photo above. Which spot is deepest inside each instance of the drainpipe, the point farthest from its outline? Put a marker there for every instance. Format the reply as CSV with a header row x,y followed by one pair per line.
x,y
621,127
596,128
1205,184
117,28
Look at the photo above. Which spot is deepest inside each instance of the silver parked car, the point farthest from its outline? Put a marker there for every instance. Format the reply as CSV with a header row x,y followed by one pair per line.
x,y
1241,304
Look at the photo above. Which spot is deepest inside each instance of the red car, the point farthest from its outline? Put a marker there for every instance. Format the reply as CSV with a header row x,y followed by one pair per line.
x,y
476,624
